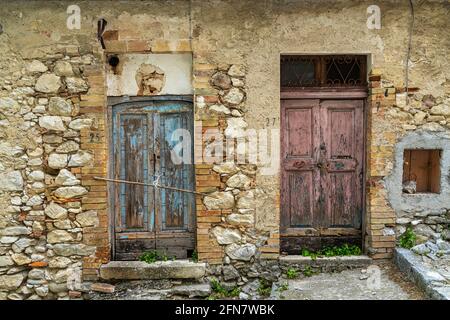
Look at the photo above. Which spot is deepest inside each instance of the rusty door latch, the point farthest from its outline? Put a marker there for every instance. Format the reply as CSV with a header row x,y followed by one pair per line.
x,y
325,166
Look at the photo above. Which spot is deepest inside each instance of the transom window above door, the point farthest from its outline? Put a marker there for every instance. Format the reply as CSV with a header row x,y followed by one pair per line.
x,y
298,71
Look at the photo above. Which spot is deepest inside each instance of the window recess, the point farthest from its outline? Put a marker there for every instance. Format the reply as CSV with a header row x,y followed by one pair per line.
x,y
421,171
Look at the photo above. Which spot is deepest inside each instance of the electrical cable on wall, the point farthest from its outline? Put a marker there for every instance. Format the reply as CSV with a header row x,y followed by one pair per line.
x,y
190,36
408,54
190,21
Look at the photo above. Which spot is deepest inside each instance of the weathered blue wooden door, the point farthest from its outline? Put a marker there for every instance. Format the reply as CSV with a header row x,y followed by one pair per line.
x,y
147,144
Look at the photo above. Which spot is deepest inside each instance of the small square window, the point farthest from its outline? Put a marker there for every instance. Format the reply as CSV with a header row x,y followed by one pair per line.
x,y
421,171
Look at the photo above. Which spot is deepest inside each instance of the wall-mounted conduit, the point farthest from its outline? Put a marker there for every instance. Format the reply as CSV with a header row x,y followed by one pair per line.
x,y
408,53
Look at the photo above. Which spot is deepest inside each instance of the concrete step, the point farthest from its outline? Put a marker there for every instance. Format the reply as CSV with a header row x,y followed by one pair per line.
x,y
139,270
325,264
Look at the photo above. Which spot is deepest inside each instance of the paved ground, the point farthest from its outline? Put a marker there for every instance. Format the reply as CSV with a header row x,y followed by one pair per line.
x,y
378,282
353,284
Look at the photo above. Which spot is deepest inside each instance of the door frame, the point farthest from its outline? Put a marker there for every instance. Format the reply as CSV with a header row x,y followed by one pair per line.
x,y
135,101
335,93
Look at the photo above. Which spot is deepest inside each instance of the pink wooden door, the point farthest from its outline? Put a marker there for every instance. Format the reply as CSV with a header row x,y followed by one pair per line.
x,y
322,173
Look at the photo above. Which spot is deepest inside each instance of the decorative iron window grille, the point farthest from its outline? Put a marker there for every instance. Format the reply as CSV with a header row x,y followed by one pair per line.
x,y
299,71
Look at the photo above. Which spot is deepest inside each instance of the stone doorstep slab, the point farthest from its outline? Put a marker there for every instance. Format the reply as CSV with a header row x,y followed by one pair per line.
x,y
139,270
192,290
411,265
329,262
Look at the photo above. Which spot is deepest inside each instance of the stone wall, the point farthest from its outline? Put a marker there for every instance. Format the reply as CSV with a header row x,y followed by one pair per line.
x,y
230,209
46,218
54,219
396,126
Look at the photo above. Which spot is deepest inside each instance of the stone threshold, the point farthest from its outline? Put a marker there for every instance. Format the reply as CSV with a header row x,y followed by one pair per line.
x,y
429,281
326,264
139,270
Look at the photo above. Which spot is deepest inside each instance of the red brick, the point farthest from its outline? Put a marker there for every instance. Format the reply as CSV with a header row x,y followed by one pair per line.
x,y
103,287
74,294
111,35
38,264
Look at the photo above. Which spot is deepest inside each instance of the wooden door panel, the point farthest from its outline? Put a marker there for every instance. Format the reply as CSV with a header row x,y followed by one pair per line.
x,y
300,175
172,202
342,135
301,199
342,158
299,132
133,166
130,248
147,218
176,206
342,200
321,172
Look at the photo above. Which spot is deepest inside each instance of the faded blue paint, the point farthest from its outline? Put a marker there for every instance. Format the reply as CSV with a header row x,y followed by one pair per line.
x,y
161,119
174,203
135,141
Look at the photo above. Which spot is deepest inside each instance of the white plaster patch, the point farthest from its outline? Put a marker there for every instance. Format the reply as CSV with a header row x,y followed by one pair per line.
x,y
177,69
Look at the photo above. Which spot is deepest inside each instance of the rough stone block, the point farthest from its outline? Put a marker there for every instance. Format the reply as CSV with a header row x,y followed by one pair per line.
x,y
410,264
193,290
138,270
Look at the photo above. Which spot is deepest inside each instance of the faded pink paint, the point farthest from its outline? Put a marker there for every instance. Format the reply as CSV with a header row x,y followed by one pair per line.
x,y
322,166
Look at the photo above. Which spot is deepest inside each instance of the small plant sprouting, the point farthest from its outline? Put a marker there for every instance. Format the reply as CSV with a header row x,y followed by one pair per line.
x,y
220,292
307,253
265,287
153,256
149,257
217,287
292,273
194,256
344,250
283,287
234,292
408,239
308,271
